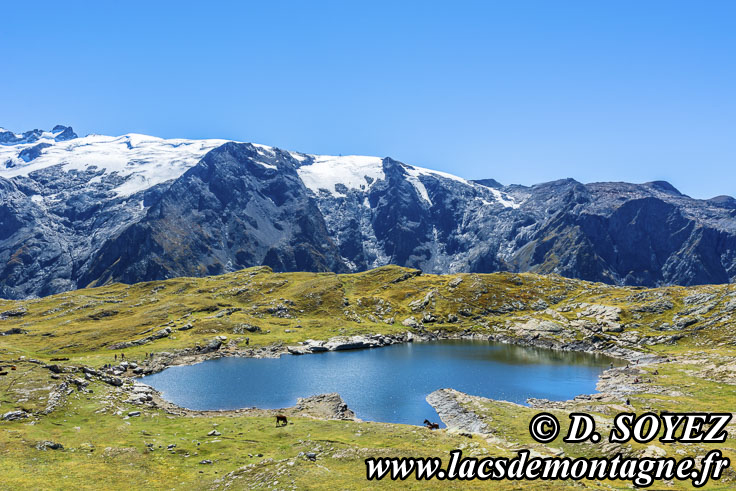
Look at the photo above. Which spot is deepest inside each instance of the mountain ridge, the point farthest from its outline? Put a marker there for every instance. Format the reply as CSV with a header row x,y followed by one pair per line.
x,y
91,210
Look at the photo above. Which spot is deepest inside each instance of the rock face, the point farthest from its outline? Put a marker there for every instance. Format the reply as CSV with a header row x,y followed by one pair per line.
x,y
234,209
448,404
329,406
14,415
341,343
162,333
76,212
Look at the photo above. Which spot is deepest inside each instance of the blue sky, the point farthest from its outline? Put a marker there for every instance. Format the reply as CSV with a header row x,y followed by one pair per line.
x,y
519,91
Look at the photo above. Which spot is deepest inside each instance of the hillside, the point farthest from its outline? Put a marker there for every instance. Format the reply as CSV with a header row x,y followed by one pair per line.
x,y
678,339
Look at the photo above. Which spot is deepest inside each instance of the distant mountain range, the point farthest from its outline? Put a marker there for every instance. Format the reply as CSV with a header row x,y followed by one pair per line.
x,y
77,212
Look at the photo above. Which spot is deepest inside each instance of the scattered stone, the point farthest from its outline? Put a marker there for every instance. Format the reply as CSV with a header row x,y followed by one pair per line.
x,y
14,415
133,414
418,305
613,327
15,330
698,298
205,461
246,327
653,451
80,383
601,313
539,305
49,446
13,313
455,282
213,345
536,326
162,333
214,433
114,381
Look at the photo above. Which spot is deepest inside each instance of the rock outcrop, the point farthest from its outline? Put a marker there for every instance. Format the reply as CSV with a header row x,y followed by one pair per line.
x,y
449,406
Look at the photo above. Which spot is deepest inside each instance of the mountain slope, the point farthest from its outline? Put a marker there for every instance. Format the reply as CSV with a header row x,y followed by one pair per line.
x,y
87,211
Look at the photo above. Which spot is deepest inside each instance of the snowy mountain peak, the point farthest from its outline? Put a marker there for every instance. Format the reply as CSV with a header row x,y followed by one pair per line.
x,y
142,160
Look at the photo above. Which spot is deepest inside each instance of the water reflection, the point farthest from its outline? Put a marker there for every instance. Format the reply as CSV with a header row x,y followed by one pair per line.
x,y
386,384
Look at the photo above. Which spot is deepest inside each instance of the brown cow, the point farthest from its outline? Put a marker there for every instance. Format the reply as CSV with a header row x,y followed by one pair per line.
x,y
280,418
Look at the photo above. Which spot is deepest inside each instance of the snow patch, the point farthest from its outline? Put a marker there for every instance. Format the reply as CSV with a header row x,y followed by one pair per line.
x,y
300,157
147,160
503,198
327,171
421,171
413,174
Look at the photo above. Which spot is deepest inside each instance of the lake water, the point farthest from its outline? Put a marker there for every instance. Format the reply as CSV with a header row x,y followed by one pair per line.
x,y
384,384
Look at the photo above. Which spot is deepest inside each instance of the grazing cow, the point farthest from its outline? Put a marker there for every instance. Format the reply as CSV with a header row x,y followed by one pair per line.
x,y
430,425
280,418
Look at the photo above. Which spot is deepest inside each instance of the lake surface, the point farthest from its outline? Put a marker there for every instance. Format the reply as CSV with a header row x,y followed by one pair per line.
x,y
384,384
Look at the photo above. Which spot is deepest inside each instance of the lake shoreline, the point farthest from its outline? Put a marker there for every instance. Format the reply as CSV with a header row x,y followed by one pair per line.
x,y
613,383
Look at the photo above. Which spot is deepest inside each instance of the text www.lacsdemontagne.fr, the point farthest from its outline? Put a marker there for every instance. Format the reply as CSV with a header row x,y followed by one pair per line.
x,y
642,472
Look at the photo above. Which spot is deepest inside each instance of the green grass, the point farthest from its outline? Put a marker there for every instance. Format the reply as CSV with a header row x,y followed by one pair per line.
x,y
105,450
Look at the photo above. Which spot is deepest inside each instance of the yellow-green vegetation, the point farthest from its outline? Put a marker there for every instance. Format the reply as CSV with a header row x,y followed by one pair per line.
x,y
689,329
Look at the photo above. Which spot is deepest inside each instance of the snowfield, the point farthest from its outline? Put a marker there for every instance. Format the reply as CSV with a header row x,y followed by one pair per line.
x,y
327,171
148,160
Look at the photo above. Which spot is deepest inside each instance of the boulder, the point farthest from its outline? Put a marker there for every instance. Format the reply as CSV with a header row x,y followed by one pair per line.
x,y
601,312
352,342
114,381
298,350
49,445
537,326
613,327
213,345
14,415
420,304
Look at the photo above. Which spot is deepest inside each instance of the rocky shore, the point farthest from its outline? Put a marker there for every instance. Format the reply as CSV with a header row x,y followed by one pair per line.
x,y
614,384
219,348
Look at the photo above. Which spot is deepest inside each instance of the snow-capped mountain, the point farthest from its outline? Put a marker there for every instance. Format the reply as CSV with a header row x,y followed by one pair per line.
x,y
84,211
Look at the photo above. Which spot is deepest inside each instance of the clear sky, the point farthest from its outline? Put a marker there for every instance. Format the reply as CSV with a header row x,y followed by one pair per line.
x,y
519,91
